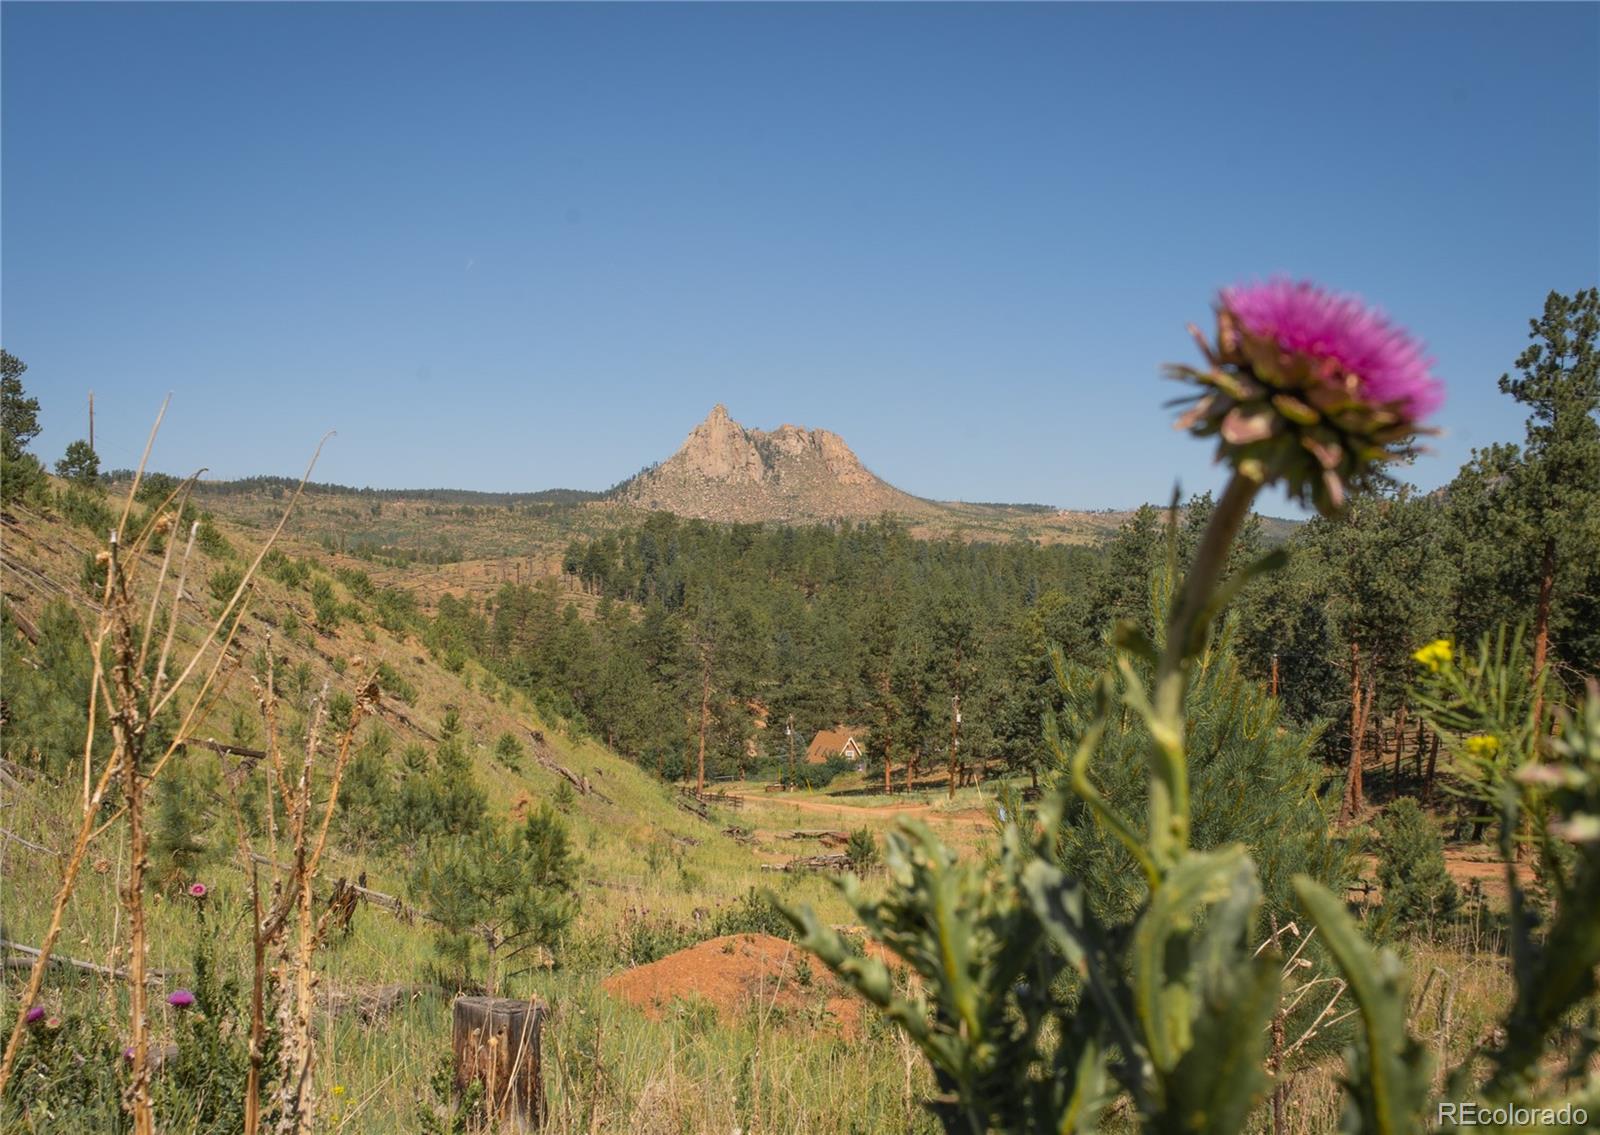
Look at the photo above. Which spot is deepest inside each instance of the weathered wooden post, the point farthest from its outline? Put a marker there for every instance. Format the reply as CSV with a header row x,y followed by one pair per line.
x,y
496,1043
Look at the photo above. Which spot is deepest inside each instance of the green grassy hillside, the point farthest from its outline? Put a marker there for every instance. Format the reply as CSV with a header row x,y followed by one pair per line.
x,y
654,876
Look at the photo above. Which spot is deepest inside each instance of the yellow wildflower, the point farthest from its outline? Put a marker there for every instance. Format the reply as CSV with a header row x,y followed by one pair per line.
x,y
338,1089
1484,746
1436,655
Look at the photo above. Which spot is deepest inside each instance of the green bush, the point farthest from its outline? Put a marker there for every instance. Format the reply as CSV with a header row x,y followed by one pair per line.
x,y
47,691
509,750
86,507
224,581
1418,892
357,581
751,913
861,850
211,541
1236,738
181,841
648,937
325,607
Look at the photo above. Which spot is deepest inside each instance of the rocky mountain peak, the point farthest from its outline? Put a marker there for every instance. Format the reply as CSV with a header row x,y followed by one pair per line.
x,y
725,471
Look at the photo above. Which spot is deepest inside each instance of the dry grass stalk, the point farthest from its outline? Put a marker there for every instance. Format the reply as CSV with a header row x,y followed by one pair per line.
x,y
132,702
293,972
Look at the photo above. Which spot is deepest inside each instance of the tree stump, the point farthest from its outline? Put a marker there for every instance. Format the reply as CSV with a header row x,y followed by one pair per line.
x,y
496,1043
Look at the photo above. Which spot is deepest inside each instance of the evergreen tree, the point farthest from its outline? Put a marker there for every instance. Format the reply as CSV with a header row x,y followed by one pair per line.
x,y
507,888
1253,779
1418,892
21,474
1556,486
79,464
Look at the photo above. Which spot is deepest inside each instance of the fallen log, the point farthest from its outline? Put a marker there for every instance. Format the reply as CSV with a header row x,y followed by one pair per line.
x,y
392,903
689,805
369,1004
31,955
225,749
29,844
811,863
29,631
385,708
583,784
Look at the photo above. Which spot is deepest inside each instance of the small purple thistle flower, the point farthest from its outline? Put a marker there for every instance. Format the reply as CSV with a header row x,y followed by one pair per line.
x,y
35,1015
52,1023
1346,336
197,890
180,999
127,1054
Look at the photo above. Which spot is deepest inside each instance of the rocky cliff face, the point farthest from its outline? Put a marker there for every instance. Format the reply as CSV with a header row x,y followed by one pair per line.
x,y
726,472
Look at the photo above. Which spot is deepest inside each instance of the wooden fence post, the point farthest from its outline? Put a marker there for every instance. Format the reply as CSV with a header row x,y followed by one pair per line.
x,y
496,1043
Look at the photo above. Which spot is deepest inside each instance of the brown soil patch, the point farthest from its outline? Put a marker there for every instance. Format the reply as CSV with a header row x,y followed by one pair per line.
x,y
742,975
1477,864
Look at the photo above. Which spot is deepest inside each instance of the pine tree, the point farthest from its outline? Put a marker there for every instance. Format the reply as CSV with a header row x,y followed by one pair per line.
x,y
506,887
1417,889
1253,780
1557,484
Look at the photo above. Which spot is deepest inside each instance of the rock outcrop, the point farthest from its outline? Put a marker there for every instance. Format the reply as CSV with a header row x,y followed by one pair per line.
x,y
726,472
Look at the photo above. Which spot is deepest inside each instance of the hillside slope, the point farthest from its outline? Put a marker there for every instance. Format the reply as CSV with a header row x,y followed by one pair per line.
x,y
654,875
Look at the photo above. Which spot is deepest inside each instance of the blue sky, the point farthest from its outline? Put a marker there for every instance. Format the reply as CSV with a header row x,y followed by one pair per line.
x,y
520,246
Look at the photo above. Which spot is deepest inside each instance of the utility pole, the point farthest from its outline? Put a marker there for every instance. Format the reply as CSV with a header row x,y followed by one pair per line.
x,y
790,731
1274,673
91,421
955,740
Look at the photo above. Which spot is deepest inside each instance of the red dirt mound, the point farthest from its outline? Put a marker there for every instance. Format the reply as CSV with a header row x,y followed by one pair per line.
x,y
742,975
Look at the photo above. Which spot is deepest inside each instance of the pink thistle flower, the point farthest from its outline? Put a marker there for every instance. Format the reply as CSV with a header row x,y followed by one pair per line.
x,y
180,999
35,1015
197,890
127,1054
1307,388
1346,337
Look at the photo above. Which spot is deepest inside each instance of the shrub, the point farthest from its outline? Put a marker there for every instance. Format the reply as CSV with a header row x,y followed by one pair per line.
x,y
325,607
211,541
647,938
861,850
357,581
46,690
87,508
1417,890
1236,737
509,750
751,913
180,842
396,609
364,797
224,582
155,488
